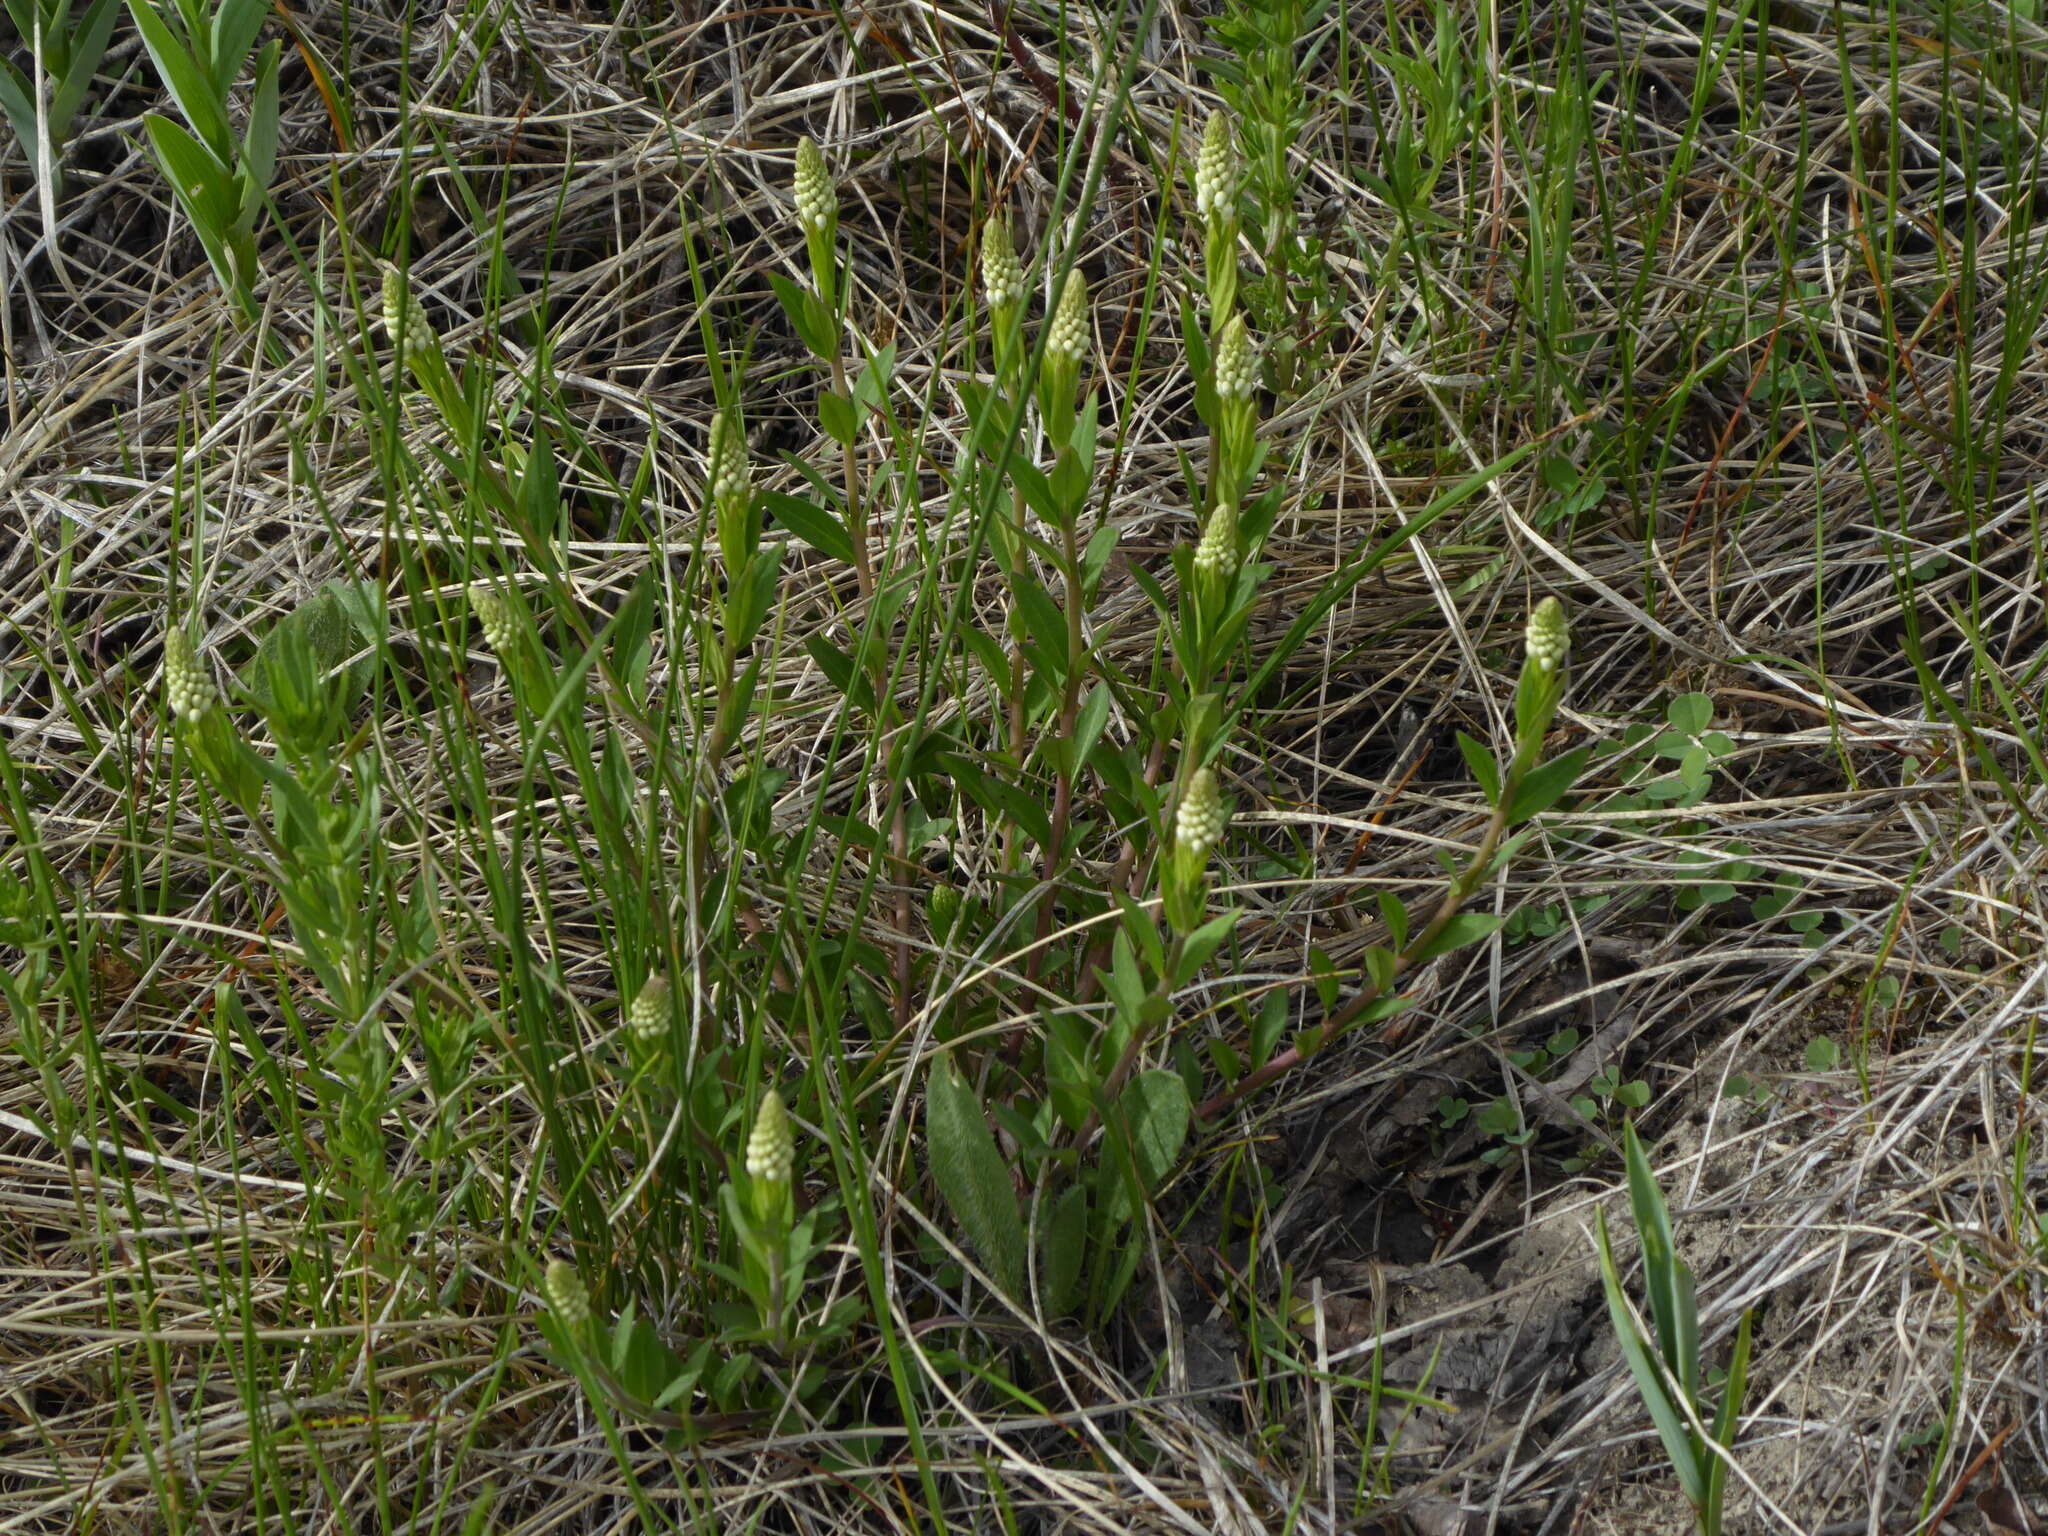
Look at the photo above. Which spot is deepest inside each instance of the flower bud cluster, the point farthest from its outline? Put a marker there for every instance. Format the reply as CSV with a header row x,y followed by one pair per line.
x,y
186,685
771,1149
726,470
1216,171
1198,825
647,1017
566,1295
1236,367
494,612
817,199
1067,336
1002,277
1216,553
1547,638
404,322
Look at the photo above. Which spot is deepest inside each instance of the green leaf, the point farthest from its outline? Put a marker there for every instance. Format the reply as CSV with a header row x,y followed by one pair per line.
x,y
204,185
1063,1250
86,51
1650,1381
807,316
1725,1423
1202,943
1465,928
820,529
188,84
838,418
1395,915
1690,712
1156,1108
1485,771
235,26
1088,723
1543,786
963,1161
259,144
1271,1026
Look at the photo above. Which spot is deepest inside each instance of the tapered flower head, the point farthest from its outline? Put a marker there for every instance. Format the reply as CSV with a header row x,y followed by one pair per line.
x,y
566,1295
186,685
1199,824
1547,638
403,317
1236,366
1216,170
647,1017
726,470
1002,277
1067,336
1216,554
817,199
771,1149
494,612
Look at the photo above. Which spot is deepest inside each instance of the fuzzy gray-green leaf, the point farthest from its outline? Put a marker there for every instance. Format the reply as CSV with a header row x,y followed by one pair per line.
x,y
973,1177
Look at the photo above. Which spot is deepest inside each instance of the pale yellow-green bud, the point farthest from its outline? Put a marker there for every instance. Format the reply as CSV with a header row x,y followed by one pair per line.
x,y
726,470
402,314
566,1294
817,199
1547,638
771,1149
1236,367
647,1017
942,910
1067,336
1216,554
186,685
1216,170
1199,824
1002,277
494,612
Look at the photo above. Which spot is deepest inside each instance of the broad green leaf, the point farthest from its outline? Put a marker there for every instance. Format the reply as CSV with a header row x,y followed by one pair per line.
x,y
1202,943
963,1161
812,523
204,185
1155,1106
188,84
1485,772
235,26
1465,928
1543,786
837,418
86,51
807,316
1690,712
1063,1252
